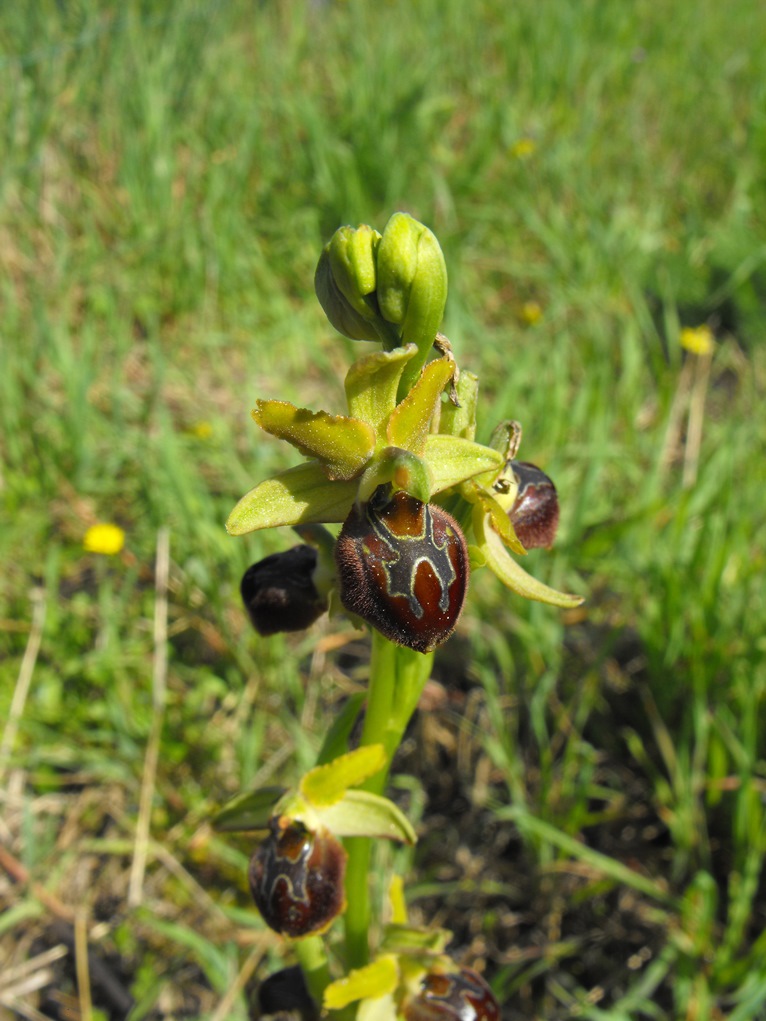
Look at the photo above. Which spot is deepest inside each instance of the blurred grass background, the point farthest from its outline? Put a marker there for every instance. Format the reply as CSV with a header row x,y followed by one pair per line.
x,y
596,174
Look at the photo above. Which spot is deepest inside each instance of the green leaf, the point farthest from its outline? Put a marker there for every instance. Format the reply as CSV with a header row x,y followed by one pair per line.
x,y
374,980
409,423
452,460
250,811
511,573
336,739
326,784
363,814
372,383
343,445
298,495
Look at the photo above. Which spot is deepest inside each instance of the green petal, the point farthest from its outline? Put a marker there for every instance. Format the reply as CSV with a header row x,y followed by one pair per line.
x,y
324,785
476,494
409,423
370,982
512,573
344,445
372,383
295,496
452,460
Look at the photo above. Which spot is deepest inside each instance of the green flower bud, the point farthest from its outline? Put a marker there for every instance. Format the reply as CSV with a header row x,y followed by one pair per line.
x,y
341,314
412,280
352,254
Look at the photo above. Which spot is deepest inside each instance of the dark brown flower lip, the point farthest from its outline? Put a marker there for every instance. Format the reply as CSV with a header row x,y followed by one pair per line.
x,y
403,567
535,511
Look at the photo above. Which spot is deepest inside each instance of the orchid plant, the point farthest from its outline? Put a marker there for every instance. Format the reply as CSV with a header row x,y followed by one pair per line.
x,y
420,504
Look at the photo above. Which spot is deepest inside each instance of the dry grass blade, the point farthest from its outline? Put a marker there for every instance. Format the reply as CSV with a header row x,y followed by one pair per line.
x,y
28,977
252,961
696,419
159,678
24,680
82,968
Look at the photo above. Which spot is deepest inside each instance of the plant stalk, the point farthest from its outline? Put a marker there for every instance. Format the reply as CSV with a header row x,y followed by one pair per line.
x,y
397,678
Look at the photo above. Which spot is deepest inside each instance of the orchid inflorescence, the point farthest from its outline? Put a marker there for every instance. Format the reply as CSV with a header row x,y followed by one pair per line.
x,y
420,503
418,498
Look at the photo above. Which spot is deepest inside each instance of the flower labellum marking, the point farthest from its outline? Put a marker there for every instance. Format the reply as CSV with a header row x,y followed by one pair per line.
x,y
296,879
403,567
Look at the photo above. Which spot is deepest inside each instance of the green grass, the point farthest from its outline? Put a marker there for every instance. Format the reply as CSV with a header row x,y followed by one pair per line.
x,y
168,175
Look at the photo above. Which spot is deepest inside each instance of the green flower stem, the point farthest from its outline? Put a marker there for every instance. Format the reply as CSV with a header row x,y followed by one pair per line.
x,y
312,958
397,678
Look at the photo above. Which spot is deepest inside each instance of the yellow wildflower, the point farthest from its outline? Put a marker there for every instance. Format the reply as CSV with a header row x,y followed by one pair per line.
x,y
523,148
530,313
697,339
202,430
104,538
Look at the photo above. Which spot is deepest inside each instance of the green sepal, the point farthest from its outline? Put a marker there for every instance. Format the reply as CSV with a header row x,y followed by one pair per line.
x,y
299,495
381,1008
477,558
373,981
326,784
372,383
510,572
352,252
250,811
364,814
342,444
460,419
410,422
452,460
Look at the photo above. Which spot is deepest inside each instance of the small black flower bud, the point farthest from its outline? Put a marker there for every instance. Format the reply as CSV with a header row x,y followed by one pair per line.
x,y
535,511
286,990
279,591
